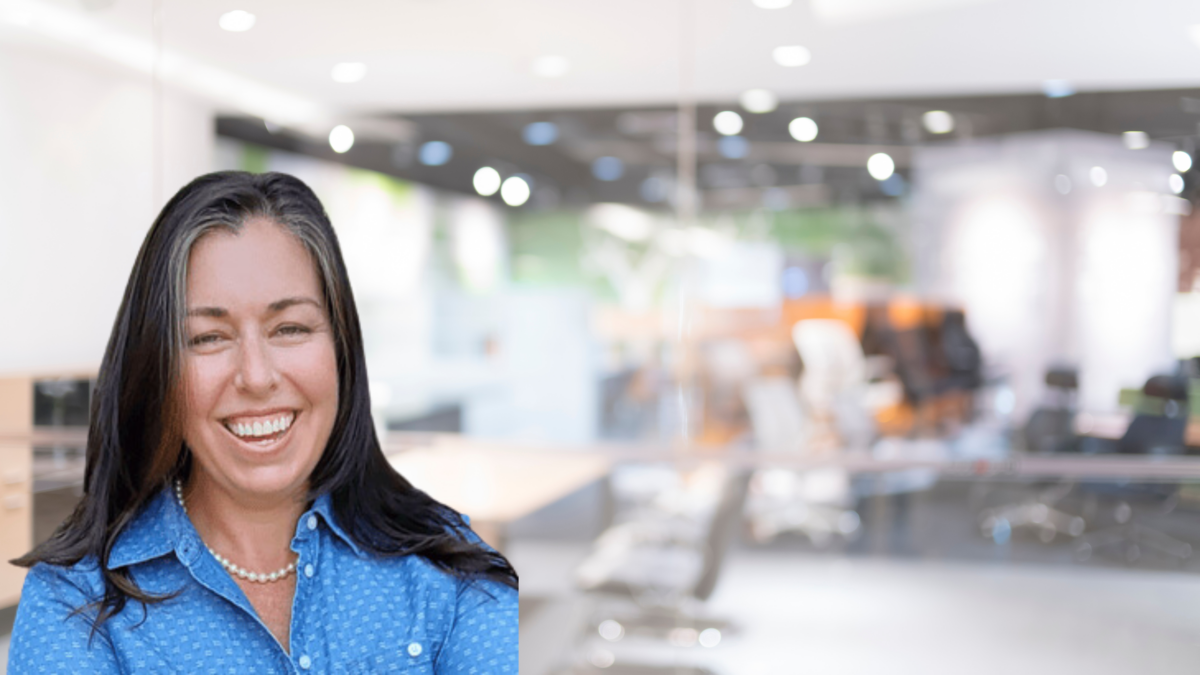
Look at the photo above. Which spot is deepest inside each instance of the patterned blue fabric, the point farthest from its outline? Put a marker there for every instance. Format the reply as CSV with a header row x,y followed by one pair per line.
x,y
353,612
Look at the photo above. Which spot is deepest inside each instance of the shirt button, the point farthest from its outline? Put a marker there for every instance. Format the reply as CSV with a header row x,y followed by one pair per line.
x,y
305,662
309,570
312,522
414,649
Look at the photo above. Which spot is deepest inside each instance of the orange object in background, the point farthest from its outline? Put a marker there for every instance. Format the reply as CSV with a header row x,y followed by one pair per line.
x,y
896,420
822,307
906,313
905,328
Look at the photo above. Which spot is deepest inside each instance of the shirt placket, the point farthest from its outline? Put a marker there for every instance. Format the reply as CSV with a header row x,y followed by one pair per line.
x,y
306,651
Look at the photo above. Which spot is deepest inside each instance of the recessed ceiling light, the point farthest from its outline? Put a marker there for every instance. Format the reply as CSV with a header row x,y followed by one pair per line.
x,y
1062,183
486,181
514,191
733,147
772,4
341,138
237,21
893,186
938,122
1057,88
540,133
551,66
833,12
1194,33
608,168
349,72
881,166
791,56
1136,140
727,123
435,153
759,101
1182,161
655,189
803,129
1175,182
1098,175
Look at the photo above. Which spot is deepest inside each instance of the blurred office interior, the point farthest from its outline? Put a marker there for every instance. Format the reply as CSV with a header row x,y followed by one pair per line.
x,y
764,336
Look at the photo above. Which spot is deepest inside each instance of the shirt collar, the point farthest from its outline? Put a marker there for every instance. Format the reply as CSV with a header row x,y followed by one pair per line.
x,y
154,532
161,524
323,505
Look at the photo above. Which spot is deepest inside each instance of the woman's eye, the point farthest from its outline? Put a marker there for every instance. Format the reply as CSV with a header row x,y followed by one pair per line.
x,y
206,339
293,329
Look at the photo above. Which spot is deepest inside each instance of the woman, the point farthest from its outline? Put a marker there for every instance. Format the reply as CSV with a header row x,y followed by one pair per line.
x,y
235,490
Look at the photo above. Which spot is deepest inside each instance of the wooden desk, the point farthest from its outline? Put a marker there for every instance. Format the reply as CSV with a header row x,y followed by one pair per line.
x,y
495,484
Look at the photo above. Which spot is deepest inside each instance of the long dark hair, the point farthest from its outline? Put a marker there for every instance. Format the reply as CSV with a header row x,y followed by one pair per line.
x,y
135,445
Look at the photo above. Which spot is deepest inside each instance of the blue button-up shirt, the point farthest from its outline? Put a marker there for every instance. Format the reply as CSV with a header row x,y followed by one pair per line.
x,y
354,612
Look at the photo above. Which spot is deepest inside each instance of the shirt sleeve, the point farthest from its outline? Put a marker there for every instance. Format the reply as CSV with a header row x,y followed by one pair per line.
x,y
484,638
48,638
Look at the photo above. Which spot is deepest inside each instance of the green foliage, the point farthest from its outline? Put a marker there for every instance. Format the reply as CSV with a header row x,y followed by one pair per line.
x,y
255,158
859,245
546,248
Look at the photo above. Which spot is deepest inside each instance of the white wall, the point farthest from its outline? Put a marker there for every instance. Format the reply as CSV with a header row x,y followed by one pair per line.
x,y
1086,277
76,198
547,391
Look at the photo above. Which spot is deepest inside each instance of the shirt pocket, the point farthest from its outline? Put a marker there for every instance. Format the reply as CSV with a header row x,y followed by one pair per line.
x,y
412,659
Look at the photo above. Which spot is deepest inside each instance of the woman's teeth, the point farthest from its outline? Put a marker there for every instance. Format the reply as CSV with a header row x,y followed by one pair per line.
x,y
260,428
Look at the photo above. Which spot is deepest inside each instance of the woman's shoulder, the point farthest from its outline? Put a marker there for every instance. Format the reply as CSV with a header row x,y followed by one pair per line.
x,y
54,629
419,575
81,579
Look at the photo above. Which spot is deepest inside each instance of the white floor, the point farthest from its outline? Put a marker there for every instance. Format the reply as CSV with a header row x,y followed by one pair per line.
x,y
800,614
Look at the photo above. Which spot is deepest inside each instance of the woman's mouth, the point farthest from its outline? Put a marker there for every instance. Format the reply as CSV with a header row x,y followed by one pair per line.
x,y
261,430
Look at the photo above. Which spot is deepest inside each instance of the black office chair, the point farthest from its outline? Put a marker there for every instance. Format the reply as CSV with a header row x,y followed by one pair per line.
x,y
1050,429
1157,428
960,353
1161,419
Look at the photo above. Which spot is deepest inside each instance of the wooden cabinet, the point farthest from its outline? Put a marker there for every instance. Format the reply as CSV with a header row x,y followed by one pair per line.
x,y
16,482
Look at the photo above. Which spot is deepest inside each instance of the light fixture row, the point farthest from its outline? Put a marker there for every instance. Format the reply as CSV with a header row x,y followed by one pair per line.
x,y
514,190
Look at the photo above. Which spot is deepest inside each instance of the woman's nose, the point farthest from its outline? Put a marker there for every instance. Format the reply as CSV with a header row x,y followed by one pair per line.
x,y
256,373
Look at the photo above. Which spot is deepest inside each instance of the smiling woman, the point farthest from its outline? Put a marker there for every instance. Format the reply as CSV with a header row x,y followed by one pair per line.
x,y
235,489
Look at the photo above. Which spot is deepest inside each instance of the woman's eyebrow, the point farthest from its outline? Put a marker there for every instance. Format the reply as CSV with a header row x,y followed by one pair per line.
x,y
280,305
274,307
214,312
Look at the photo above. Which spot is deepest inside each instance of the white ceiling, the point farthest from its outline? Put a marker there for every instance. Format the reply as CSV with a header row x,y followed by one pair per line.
x,y
442,55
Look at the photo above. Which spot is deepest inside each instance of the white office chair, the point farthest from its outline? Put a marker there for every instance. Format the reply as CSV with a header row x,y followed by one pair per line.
x,y
815,503
668,572
834,384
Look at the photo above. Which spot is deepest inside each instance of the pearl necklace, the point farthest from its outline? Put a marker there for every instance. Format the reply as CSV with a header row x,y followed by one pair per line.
x,y
241,572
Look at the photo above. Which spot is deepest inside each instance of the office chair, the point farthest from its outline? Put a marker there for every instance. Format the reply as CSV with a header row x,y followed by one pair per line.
x,y
1157,429
816,503
833,386
1159,423
939,365
665,570
1050,429
959,352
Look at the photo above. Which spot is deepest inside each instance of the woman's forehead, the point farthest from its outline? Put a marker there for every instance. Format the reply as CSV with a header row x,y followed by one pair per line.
x,y
259,264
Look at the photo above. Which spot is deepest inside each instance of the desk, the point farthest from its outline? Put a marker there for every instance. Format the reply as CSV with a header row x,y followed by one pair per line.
x,y
495,484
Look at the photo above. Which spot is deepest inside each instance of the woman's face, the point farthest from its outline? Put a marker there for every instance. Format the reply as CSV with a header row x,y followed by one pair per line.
x,y
260,369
